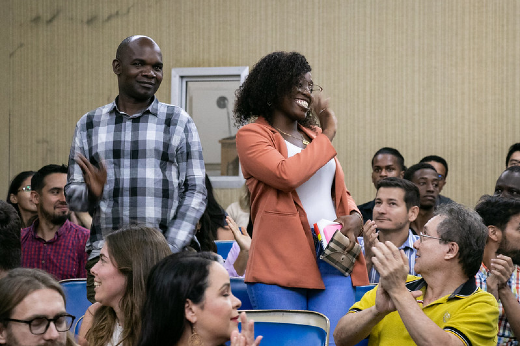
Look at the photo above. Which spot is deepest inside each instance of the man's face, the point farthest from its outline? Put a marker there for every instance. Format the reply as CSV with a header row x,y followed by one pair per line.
x,y
385,165
508,185
510,243
441,170
40,303
514,160
428,183
390,212
51,199
430,252
140,70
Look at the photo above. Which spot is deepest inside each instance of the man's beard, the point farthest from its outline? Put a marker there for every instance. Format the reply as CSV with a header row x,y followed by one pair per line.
x,y
504,249
56,219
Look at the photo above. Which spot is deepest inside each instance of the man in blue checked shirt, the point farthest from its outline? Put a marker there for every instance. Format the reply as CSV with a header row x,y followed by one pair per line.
x,y
137,159
396,206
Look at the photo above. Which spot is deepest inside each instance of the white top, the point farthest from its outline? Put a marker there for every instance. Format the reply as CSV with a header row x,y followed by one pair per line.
x,y
316,193
116,337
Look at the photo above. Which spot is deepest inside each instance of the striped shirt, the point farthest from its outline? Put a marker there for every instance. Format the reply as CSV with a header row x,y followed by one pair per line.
x,y
407,247
506,336
63,256
155,172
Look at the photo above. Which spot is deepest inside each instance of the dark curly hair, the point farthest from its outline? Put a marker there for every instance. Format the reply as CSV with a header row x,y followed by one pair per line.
x,y
271,79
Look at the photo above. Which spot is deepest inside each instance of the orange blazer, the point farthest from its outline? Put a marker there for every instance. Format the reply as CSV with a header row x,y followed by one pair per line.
x,y
282,251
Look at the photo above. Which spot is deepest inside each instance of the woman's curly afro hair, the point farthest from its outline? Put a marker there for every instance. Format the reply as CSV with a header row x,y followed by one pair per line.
x,y
270,80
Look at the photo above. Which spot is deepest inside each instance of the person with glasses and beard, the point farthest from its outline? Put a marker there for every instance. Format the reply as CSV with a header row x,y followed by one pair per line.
x,y
52,242
499,272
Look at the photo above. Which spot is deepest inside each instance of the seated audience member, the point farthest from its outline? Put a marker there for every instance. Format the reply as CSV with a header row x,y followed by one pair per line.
x,y
441,166
10,247
513,155
444,307
396,205
52,242
386,162
499,273
425,177
19,196
217,216
508,184
189,302
119,279
240,210
30,300
236,261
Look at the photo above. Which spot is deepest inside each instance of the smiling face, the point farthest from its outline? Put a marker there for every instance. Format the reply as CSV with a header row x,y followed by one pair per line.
x,y
139,69
43,302
385,165
390,212
508,185
23,198
427,181
297,103
51,199
217,315
430,252
109,282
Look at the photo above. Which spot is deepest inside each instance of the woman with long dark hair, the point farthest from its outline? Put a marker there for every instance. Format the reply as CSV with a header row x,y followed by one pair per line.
x,y
19,196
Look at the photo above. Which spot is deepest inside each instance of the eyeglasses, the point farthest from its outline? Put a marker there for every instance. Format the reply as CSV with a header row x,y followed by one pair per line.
x,y
25,189
39,325
422,236
311,88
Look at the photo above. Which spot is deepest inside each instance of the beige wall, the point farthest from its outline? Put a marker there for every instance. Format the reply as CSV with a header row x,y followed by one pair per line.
x,y
426,77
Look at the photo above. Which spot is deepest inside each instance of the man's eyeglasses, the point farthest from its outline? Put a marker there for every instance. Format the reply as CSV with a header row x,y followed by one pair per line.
x,y
311,88
39,325
422,236
25,189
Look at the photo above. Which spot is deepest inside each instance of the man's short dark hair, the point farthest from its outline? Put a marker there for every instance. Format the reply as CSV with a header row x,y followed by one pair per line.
x,y
409,173
37,179
412,196
512,149
438,159
393,152
10,246
497,210
464,227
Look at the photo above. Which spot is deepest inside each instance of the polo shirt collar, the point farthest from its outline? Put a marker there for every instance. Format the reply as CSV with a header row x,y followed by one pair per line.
x,y
463,291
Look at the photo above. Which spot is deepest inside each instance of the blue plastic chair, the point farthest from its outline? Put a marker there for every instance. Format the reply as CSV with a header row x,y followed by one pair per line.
x,y
291,327
77,325
76,294
239,290
223,247
360,292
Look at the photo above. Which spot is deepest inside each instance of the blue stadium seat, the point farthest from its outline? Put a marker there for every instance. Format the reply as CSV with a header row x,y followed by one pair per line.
x,y
360,291
239,290
76,294
223,247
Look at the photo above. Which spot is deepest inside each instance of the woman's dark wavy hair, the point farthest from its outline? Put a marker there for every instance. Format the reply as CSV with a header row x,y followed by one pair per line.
x,y
171,282
270,80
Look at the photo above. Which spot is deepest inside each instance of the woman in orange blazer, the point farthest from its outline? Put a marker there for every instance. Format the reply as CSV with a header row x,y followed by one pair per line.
x,y
295,179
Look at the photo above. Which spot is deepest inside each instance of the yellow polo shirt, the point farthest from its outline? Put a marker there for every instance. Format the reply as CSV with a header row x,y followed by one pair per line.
x,y
469,313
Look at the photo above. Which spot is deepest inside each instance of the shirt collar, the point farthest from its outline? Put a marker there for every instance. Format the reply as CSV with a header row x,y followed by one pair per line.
x,y
153,108
409,241
58,234
464,290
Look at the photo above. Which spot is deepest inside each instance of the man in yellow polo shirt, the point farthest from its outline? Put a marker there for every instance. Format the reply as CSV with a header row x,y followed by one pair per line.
x,y
444,307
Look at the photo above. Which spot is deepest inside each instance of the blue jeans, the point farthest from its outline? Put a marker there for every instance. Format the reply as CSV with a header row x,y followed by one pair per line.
x,y
334,301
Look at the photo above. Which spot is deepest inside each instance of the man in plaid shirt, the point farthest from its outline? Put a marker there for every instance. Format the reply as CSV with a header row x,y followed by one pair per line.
x,y
499,273
52,242
137,159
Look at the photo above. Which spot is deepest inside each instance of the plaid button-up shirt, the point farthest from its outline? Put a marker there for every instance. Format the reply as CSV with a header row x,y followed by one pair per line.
x,y
155,172
505,333
63,256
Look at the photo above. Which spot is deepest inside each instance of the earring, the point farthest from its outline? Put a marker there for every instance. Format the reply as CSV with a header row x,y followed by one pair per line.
x,y
195,339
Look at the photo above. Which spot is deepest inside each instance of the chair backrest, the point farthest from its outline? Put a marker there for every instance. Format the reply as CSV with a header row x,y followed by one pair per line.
x,y
239,290
291,327
223,247
76,294
361,290
77,325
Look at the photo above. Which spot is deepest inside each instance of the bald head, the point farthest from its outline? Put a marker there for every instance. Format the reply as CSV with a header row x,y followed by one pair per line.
x,y
123,46
508,184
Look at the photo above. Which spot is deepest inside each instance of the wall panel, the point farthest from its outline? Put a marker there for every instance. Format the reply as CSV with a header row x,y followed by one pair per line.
x,y
427,77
